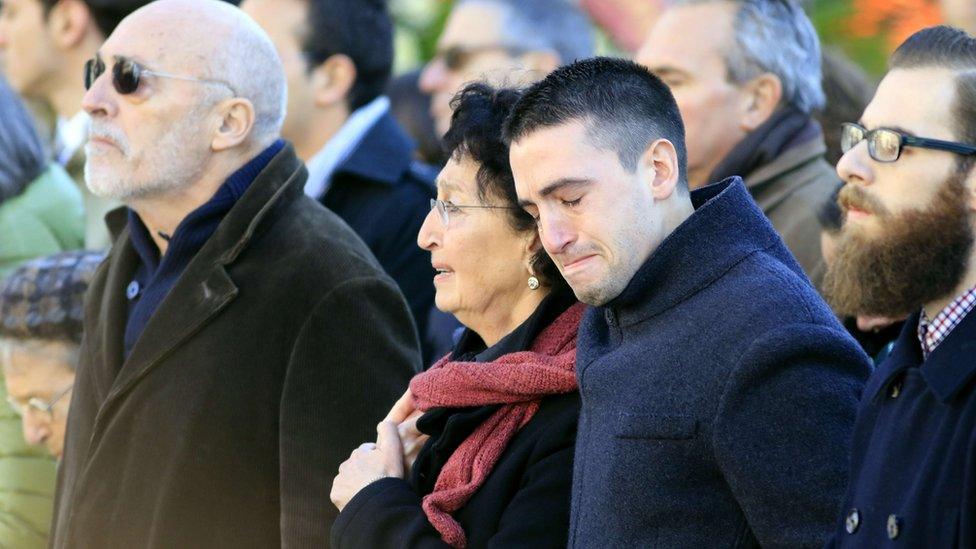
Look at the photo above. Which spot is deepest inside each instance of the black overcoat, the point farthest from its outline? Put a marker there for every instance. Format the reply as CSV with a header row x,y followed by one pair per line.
x,y
276,352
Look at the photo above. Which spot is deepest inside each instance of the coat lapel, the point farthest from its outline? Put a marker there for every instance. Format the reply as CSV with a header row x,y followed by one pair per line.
x,y
106,354
202,291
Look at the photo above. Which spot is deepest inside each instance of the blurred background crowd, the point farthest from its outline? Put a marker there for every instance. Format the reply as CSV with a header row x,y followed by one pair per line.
x,y
52,234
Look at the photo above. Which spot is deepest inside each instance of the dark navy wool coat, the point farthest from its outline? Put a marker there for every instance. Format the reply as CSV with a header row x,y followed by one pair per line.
x,y
719,394
913,479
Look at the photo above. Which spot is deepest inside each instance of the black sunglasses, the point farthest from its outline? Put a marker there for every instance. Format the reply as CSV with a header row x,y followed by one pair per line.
x,y
885,144
127,74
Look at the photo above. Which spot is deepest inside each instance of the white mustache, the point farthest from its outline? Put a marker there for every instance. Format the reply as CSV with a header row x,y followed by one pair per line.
x,y
112,134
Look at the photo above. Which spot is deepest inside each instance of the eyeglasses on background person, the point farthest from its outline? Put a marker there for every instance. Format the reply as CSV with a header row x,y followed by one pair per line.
x,y
38,405
445,207
885,144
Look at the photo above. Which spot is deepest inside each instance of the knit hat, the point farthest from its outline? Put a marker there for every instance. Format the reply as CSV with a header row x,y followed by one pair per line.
x,y
44,298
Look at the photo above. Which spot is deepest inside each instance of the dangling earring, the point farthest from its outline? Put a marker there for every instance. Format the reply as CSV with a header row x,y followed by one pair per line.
x,y
533,283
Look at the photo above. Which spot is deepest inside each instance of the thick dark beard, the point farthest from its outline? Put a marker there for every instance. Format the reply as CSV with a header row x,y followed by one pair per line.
x,y
921,256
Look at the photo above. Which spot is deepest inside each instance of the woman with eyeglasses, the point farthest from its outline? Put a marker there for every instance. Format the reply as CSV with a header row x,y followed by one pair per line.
x,y
479,451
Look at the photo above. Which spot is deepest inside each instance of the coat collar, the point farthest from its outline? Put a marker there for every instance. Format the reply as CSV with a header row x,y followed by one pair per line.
x,y
204,288
791,159
726,227
948,369
383,154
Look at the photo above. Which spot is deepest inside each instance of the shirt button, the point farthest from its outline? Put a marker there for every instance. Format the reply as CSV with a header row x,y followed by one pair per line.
x,y
853,521
894,526
132,290
895,390
611,319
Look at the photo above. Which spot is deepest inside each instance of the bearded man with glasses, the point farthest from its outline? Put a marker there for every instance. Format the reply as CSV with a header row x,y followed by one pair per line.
x,y
906,248
240,338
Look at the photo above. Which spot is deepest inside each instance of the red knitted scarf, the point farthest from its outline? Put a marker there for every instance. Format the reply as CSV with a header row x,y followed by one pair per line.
x,y
518,381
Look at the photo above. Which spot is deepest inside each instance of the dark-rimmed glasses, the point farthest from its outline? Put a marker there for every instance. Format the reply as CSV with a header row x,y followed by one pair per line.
x,y
37,405
885,144
445,207
127,74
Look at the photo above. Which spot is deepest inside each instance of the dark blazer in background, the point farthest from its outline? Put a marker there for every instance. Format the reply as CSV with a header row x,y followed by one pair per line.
x,y
913,476
384,195
719,394
275,354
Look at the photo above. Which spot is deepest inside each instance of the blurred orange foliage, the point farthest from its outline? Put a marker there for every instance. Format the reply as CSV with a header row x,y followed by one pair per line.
x,y
896,19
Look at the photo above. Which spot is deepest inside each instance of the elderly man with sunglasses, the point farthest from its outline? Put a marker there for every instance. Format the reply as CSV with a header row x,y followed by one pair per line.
x,y
240,338
907,248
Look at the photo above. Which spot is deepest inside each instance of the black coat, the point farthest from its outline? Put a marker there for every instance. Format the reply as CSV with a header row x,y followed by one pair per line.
x,y
384,195
525,499
913,476
277,351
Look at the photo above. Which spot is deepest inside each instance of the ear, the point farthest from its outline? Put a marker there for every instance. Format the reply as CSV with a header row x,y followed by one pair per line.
x,y
236,123
762,94
532,245
658,168
69,22
332,80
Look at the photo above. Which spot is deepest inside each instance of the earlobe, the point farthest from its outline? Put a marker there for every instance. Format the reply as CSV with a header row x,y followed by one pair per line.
x,y
764,95
235,125
69,22
659,168
332,80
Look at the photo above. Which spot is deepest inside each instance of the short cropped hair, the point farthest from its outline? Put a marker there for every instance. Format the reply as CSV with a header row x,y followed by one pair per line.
x,y
953,49
777,37
623,106
556,25
359,29
476,132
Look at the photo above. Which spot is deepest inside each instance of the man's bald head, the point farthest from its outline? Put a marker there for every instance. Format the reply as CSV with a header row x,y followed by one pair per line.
x,y
214,40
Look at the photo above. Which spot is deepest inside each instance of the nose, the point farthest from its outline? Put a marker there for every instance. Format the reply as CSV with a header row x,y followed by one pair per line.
x,y
433,76
855,165
99,99
429,237
555,233
35,431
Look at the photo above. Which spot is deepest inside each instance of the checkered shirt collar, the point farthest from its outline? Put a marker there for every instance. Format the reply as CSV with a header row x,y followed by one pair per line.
x,y
933,332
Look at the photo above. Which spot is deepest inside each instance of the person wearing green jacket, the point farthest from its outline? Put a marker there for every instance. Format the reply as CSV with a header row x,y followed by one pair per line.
x,y
41,213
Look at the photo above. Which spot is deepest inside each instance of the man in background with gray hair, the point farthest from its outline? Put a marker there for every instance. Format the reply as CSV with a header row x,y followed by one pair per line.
x,y
240,338
746,76
504,42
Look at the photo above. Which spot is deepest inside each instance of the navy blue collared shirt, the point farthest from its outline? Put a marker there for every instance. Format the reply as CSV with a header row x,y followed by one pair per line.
x,y
154,277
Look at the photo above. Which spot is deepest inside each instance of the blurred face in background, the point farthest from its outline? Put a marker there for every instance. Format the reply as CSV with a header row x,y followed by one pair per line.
x,y
685,49
284,21
472,47
960,13
36,374
26,48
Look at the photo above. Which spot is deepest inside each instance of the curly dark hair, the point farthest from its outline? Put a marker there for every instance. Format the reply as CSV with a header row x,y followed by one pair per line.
x,y
480,111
